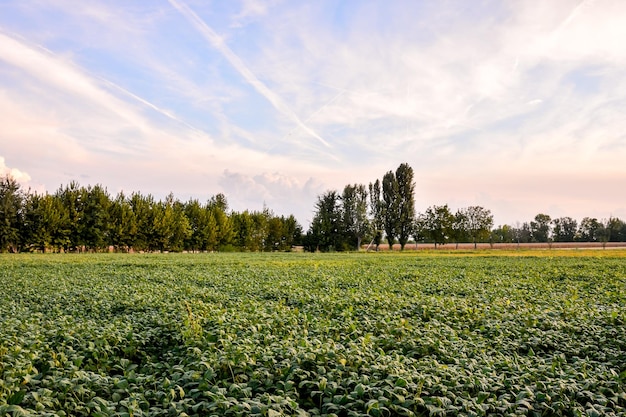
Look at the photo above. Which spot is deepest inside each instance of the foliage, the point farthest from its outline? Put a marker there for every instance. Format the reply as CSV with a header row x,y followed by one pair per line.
x,y
564,229
376,212
326,232
406,203
437,224
540,228
391,208
478,221
354,211
77,218
10,214
313,334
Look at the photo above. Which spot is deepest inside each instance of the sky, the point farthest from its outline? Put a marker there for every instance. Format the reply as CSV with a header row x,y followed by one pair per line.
x,y
517,106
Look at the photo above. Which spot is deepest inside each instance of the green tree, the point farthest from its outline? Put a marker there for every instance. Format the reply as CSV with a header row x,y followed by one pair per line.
x,y
122,223
479,223
71,197
390,207
438,222
181,230
292,232
420,232
44,220
325,233
354,211
198,217
540,228
588,229
224,230
616,229
405,204
11,200
503,234
94,220
143,208
460,227
376,213
564,229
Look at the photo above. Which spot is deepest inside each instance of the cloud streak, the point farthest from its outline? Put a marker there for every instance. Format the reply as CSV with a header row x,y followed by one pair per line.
x,y
218,43
485,102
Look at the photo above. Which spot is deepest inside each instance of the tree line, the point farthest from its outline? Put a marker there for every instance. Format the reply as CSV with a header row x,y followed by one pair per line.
x,y
385,210
77,218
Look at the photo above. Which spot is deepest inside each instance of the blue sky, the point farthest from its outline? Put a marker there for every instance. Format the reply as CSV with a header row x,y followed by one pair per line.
x,y
517,106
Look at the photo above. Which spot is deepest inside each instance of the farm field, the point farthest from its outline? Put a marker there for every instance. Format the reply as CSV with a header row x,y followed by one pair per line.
x,y
535,333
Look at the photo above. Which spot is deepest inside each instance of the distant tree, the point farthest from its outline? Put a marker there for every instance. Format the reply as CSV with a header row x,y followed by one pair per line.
x,y
11,200
292,232
405,204
438,222
282,234
71,198
225,232
376,213
243,224
43,223
122,223
390,207
325,233
94,221
260,230
479,223
213,235
503,234
219,202
143,208
181,230
354,212
603,233
616,228
540,228
198,218
459,227
420,232
588,229
564,229
523,233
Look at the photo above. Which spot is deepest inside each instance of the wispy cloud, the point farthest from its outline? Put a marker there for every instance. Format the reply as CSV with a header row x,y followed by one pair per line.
x,y
218,43
168,96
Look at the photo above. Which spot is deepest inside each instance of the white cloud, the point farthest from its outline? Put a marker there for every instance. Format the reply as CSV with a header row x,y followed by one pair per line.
x,y
130,94
19,176
273,190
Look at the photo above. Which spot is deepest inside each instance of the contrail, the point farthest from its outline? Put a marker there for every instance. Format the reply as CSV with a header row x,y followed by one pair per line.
x,y
575,12
149,104
33,58
218,43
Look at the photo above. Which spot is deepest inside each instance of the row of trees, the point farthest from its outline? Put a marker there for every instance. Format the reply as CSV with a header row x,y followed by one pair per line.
x,y
342,221
77,218
386,210
544,229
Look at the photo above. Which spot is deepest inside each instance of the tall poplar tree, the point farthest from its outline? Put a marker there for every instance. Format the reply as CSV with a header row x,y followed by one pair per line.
x,y
376,213
390,207
354,211
405,204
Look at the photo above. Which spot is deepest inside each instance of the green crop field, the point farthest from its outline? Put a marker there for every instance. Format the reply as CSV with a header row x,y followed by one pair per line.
x,y
519,333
